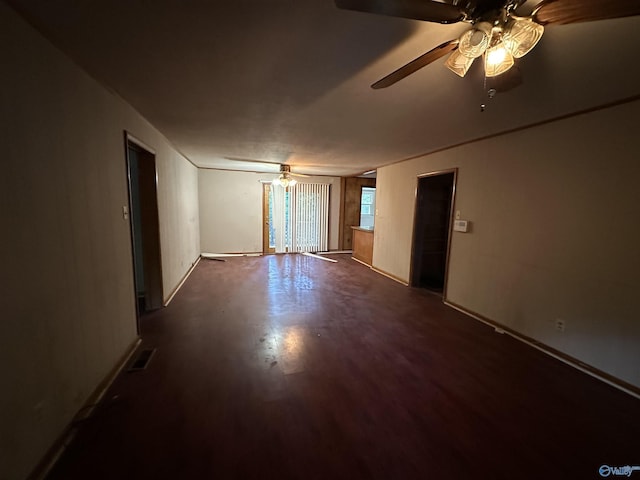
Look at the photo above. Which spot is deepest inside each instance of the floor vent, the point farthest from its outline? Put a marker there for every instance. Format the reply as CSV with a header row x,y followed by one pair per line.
x,y
142,360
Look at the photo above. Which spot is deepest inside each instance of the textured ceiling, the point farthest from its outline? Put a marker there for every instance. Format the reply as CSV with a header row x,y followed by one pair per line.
x,y
241,83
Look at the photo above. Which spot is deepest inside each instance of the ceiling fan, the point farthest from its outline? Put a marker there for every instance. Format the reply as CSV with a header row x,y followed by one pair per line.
x,y
285,179
498,33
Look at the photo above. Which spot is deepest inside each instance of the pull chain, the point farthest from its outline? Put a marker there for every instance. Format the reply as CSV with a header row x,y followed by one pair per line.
x,y
490,93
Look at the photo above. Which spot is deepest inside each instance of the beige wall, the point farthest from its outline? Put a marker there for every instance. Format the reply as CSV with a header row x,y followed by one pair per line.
x,y
231,210
179,216
67,302
555,233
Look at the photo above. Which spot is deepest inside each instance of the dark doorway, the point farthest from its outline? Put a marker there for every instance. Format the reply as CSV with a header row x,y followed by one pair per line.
x,y
145,228
431,230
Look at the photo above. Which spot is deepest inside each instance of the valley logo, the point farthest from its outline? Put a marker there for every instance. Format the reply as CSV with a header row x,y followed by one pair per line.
x,y
626,471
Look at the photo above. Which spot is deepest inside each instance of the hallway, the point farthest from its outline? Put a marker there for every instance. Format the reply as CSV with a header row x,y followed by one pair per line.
x,y
290,367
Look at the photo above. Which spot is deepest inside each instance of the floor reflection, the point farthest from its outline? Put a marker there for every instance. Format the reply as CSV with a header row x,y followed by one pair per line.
x,y
289,286
293,342
285,347
291,303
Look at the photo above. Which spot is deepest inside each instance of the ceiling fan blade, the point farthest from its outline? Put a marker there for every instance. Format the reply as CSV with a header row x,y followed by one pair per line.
x,y
415,65
575,11
425,10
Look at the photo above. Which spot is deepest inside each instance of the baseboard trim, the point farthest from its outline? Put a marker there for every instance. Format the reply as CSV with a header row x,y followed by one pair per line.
x,y
184,279
361,262
389,275
557,354
58,447
232,254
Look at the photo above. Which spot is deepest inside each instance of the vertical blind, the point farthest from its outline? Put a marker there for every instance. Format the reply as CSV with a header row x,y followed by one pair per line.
x,y
301,218
309,217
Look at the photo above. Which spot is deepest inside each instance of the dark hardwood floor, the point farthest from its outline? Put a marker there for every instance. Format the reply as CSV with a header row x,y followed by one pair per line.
x,y
289,367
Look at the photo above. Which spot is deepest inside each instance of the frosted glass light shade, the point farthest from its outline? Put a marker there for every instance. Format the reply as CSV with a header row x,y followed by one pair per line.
x,y
474,42
497,60
285,181
458,63
520,36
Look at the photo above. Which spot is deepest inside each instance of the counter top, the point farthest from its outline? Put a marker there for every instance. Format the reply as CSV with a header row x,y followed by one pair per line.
x,y
362,229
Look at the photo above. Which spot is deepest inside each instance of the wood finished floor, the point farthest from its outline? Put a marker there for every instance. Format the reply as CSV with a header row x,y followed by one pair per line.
x,y
289,367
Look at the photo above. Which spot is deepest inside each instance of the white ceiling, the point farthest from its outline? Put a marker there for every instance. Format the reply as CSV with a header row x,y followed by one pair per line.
x,y
250,84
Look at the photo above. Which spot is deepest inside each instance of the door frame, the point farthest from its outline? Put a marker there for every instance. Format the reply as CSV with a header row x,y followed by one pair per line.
x,y
266,249
132,142
451,220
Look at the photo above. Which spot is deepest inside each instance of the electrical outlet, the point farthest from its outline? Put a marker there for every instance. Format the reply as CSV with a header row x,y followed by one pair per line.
x,y
560,325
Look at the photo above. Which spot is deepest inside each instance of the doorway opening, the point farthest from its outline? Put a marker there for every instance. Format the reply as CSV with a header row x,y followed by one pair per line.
x,y
351,208
367,207
145,227
432,231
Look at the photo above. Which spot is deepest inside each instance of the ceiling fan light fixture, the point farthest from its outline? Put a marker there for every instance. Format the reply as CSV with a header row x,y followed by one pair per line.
x,y
458,63
292,182
284,180
497,60
475,41
521,35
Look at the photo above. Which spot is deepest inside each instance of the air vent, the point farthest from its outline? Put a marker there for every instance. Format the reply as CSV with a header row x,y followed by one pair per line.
x,y
142,360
